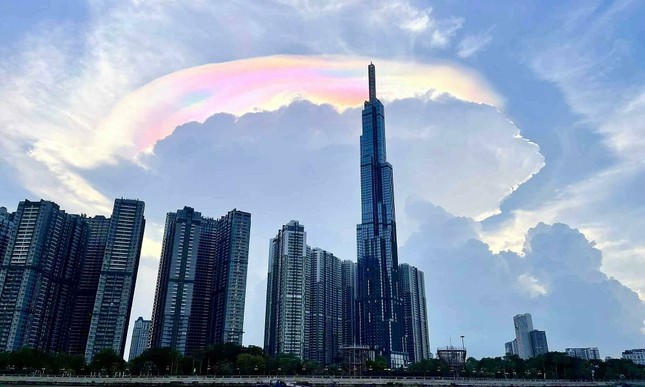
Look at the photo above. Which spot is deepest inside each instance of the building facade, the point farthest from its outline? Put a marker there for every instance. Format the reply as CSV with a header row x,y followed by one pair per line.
x,y
284,328
415,313
323,307
90,271
348,284
231,265
528,342
140,337
380,318
201,283
511,347
539,345
635,355
523,324
113,301
6,230
590,353
38,277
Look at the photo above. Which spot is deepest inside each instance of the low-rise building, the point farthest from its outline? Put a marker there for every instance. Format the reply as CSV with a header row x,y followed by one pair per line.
x,y
590,353
635,355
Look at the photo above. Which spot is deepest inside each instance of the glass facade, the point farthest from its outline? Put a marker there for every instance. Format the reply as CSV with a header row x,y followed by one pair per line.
x,y
380,320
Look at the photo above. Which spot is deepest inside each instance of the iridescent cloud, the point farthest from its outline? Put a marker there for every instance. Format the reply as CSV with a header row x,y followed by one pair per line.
x,y
151,112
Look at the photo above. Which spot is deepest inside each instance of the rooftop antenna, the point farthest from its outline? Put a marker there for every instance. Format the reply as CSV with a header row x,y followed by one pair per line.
x,y
371,72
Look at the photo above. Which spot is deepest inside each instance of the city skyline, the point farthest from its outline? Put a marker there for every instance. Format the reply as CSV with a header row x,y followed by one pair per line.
x,y
512,126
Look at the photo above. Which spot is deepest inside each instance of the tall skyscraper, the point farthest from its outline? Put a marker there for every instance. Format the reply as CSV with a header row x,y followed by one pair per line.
x,y
90,271
380,320
231,263
415,312
323,309
140,337
38,277
348,284
113,302
176,280
528,342
201,284
523,326
284,328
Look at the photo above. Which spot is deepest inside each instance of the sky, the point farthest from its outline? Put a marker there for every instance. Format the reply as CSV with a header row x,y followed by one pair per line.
x,y
515,130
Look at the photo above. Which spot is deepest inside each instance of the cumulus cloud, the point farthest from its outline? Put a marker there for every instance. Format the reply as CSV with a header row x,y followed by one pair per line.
x,y
62,80
591,61
475,292
300,162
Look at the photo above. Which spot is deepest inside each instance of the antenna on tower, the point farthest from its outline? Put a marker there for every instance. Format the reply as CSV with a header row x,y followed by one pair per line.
x,y
371,72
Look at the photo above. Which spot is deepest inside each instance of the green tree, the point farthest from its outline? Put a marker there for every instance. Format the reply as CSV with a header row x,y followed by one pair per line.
x,y
107,361
156,361
250,364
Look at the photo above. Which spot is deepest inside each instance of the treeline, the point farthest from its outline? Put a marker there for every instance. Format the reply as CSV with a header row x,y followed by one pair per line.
x,y
230,359
552,365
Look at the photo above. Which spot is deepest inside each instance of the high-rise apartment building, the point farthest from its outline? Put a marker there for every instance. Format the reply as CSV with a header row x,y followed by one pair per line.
x,y
38,277
6,230
90,271
590,353
323,309
380,319
284,329
176,280
113,302
231,263
348,284
539,345
415,313
201,283
523,324
140,337
528,342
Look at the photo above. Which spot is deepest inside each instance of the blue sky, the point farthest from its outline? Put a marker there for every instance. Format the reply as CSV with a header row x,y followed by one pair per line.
x,y
533,205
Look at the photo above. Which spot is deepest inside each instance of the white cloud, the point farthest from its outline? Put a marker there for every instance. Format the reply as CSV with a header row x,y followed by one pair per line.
x,y
472,44
588,61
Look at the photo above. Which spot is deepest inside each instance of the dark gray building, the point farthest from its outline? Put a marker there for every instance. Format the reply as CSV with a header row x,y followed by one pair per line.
x,y
117,279
90,271
38,276
6,230
539,345
348,284
415,313
201,283
323,309
140,337
284,326
380,306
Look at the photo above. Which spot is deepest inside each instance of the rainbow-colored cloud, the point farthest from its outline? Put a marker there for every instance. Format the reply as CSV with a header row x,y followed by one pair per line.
x,y
267,83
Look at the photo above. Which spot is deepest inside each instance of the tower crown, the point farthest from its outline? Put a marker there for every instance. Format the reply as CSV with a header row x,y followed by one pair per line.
x,y
371,72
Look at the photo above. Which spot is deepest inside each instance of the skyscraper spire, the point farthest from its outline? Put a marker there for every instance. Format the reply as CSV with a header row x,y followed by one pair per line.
x,y
371,70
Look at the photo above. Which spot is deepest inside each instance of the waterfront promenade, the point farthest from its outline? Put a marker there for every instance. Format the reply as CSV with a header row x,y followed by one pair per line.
x,y
241,381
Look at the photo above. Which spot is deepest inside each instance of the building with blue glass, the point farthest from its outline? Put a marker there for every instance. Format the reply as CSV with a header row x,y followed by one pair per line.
x,y
380,306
